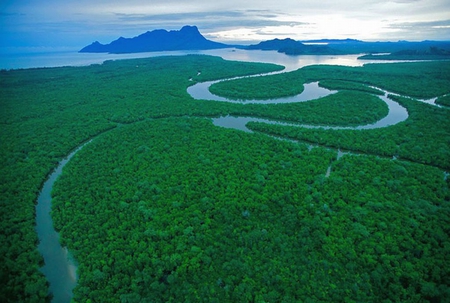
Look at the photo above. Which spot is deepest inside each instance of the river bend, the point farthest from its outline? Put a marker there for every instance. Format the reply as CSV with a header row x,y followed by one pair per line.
x,y
312,91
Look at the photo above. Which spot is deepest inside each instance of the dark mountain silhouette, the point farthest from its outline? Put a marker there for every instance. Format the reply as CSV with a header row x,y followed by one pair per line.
x,y
397,50
432,53
333,41
292,47
275,44
188,38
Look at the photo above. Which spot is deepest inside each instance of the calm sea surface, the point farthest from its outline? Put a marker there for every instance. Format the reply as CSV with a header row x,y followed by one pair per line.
x,y
73,58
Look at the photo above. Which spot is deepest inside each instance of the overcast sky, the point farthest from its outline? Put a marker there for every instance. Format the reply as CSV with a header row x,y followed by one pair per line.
x,y
76,23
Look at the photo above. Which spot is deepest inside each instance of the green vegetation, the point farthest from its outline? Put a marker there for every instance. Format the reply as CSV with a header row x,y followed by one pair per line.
x,y
420,80
164,206
347,85
278,86
344,108
48,112
182,214
444,100
250,88
424,137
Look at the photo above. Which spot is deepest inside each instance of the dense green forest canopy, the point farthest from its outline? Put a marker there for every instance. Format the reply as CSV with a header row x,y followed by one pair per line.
x,y
163,206
424,137
444,100
45,113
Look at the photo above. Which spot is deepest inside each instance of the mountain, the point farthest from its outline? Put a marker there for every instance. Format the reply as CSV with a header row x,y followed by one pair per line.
x,y
292,47
275,44
188,38
400,50
432,53
332,41
388,47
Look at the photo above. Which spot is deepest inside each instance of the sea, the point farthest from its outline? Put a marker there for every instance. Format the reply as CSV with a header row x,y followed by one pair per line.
x,y
47,59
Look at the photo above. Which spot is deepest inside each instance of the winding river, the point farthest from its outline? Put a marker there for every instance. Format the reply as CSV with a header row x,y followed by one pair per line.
x,y
60,269
397,113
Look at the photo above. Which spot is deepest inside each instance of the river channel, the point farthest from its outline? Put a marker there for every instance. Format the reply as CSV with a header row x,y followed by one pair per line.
x,y
60,268
312,91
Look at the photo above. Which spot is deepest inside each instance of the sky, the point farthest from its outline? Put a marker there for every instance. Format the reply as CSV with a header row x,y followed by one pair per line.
x,y
42,24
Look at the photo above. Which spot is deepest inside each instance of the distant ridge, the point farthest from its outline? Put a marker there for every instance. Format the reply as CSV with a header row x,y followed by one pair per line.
x,y
292,47
401,50
333,41
188,38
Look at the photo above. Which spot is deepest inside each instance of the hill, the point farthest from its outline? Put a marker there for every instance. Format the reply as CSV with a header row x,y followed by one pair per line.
x,y
188,38
400,50
292,47
433,53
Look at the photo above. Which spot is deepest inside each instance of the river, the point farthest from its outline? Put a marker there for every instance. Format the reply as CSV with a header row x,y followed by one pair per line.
x,y
200,91
60,269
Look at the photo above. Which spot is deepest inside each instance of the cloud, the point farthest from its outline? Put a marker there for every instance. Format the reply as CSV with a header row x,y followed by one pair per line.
x,y
421,24
79,22
212,25
405,1
213,19
421,30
